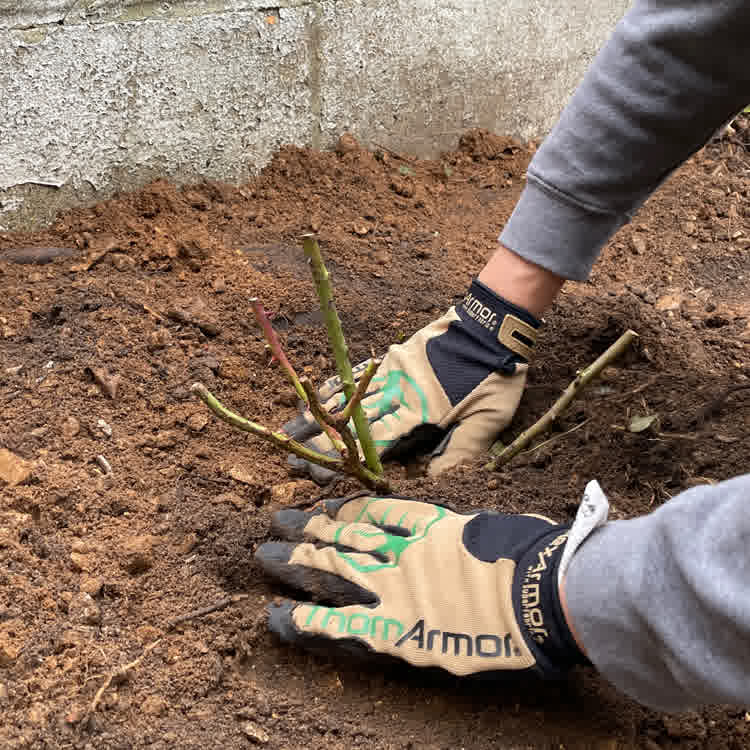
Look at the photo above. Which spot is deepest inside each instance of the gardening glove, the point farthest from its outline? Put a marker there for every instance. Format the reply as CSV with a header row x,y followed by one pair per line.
x,y
448,391
397,578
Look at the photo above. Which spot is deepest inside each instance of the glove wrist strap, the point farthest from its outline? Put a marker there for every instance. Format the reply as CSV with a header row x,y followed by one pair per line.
x,y
499,321
536,602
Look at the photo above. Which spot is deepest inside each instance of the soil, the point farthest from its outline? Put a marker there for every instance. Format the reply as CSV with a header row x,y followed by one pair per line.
x,y
121,306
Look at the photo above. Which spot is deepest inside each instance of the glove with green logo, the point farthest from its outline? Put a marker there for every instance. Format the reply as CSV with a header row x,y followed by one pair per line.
x,y
449,390
393,577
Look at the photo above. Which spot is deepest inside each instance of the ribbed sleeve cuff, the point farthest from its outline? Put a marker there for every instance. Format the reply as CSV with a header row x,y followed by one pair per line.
x,y
548,229
603,589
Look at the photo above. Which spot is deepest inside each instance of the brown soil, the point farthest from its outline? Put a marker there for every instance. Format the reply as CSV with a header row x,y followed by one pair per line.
x,y
152,295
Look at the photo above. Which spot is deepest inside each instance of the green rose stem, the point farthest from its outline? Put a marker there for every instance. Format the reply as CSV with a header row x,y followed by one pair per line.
x,y
322,281
583,378
346,466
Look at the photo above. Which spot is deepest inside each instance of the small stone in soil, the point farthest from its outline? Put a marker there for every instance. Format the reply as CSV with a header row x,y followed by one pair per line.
x,y
91,585
159,339
242,475
104,427
81,561
70,428
138,553
13,469
287,492
107,382
638,244
669,302
154,705
196,422
122,262
104,465
84,610
254,733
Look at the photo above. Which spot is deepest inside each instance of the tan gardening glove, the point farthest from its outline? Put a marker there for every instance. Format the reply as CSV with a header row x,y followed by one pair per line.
x,y
397,578
448,391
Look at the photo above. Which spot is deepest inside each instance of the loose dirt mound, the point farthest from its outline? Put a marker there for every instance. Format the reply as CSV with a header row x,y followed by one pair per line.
x,y
100,345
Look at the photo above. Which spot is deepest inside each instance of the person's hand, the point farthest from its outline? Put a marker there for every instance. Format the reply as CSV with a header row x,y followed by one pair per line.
x,y
448,391
392,577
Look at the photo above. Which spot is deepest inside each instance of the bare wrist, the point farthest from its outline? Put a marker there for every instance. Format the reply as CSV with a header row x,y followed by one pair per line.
x,y
521,282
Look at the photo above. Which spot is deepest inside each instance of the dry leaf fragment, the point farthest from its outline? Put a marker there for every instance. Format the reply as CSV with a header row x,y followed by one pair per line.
x,y
640,424
107,382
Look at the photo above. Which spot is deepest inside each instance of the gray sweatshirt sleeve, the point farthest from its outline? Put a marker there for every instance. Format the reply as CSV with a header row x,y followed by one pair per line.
x,y
671,74
662,603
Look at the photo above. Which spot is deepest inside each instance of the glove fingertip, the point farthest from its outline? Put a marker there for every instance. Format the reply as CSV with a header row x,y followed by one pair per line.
x,y
301,428
270,555
290,523
297,465
280,620
320,475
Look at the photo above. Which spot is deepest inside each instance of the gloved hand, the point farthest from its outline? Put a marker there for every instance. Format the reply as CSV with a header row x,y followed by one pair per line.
x,y
449,390
393,577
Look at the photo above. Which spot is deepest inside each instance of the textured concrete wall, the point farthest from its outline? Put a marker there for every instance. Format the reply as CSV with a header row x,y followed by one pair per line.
x,y
101,95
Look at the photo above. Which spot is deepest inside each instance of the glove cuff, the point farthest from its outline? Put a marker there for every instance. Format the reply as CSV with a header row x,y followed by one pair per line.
x,y
536,601
495,319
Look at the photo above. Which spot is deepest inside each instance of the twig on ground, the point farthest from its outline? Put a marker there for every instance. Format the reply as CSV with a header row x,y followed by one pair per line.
x,y
401,157
203,611
322,282
506,453
118,675
642,387
557,437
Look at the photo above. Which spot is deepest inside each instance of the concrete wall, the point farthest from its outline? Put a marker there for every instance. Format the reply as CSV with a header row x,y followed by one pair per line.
x,y
101,95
